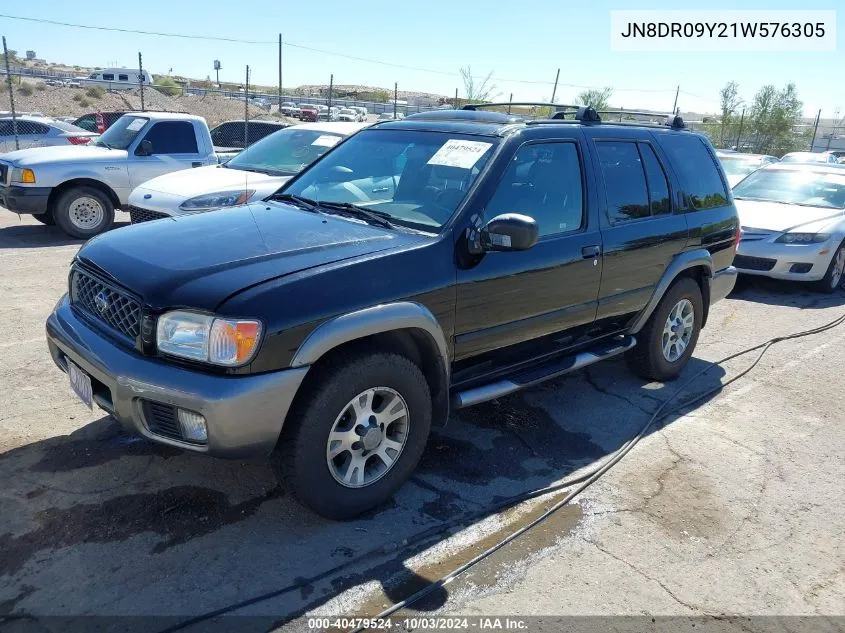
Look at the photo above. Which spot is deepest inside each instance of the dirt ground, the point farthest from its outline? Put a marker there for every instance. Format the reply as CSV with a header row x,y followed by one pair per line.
x,y
735,507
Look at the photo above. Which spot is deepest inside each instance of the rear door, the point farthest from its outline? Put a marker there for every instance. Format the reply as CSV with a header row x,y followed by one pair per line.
x,y
174,148
508,298
642,227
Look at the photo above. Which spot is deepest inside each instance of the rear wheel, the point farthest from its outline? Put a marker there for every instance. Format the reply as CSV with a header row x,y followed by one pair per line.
x,y
665,344
357,435
835,272
84,212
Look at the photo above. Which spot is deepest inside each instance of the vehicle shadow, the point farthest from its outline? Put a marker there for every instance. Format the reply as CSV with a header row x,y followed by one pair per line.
x,y
32,234
121,526
785,293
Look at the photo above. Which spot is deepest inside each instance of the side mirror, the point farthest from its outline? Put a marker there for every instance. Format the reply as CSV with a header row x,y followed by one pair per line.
x,y
145,148
509,232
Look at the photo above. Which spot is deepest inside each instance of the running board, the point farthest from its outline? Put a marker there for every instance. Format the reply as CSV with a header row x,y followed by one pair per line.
x,y
546,371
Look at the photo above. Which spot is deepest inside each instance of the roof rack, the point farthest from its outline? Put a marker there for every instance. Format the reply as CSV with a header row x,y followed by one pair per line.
x,y
672,120
577,112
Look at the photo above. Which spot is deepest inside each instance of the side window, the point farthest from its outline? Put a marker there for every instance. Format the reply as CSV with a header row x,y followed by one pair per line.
x,y
228,135
543,181
172,137
87,122
6,128
108,77
123,77
658,185
622,168
31,127
258,131
697,170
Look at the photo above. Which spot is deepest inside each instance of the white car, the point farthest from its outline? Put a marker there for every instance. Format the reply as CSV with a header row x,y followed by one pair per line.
x,y
737,165
793,223
810,157
362,113
289,108
349,115
41,131
254,174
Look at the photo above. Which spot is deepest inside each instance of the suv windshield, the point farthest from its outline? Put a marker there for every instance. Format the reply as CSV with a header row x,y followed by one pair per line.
x,y
801,187
122,132
414,178
286,152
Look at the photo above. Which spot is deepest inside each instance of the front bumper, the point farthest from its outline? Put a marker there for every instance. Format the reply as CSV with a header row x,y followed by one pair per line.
x,y
783,257
722,283
244,414
31,200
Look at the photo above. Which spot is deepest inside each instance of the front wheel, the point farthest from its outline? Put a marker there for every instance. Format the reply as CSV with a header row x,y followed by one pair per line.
x,y
665,344
835,271
357,435
84,212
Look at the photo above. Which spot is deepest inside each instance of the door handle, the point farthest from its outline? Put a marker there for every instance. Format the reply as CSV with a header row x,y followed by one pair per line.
x,y
590,252
196,163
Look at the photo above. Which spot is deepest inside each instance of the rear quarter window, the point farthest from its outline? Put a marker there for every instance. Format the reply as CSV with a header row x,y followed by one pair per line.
x,y
697,170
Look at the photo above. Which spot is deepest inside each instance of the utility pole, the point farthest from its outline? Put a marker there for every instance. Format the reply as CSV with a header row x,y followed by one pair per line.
x,y
11,94
456,98
246,108
554,90
331,87
510,100
739,136
280,74
815,129
675,107
141,79
836,126
395,97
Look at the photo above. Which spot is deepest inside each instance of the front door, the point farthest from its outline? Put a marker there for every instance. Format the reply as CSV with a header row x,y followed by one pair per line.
x,y
507,298
174,145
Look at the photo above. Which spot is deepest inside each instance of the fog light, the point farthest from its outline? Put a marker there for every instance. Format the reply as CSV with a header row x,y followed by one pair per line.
x,y
193,425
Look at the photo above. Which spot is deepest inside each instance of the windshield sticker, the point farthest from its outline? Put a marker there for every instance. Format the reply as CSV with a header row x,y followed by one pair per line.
x,y
326,140
458,153
136,125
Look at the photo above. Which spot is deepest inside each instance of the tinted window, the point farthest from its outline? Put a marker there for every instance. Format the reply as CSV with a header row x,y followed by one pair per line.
x,y
172,137
658,185
87,122
543,181
258,131
6,128
697,170
123,77
228,135
31,127
627,193
108,76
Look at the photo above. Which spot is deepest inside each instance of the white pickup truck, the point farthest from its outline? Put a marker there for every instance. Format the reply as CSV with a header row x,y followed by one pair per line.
x,y
79,187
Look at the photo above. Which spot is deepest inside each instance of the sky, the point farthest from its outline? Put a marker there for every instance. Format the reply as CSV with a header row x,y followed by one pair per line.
x,y
523,46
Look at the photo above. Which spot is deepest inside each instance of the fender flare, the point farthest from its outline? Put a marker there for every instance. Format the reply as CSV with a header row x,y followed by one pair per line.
x,y
680,263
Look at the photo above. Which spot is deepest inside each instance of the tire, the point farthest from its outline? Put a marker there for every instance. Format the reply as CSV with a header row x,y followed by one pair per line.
x,y
833,277
648,358
45,218
302,459
83,212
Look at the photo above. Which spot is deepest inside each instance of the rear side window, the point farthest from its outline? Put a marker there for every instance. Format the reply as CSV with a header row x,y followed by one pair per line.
x,y
258,131
5,128
627,192
31,127
123,77
108,76
697,170
658,185
86,122
228,135
173,137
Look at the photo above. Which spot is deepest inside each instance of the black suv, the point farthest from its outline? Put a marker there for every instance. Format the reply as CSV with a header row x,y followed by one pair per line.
x,y
419,266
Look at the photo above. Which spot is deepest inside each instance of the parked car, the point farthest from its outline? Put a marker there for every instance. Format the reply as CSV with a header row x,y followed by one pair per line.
x,y
737,166
809,157
362,113
408,271
349,115
79,187
252,175
388,116
36,131
90,121
793,223
308,112
289,108
324,113
231,137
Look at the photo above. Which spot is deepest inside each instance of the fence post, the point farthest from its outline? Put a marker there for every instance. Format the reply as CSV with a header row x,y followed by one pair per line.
x,y
11,94
141,79
456,98
815,129
329,100
554,90
395,97
246,108
280,74
510,99
739,134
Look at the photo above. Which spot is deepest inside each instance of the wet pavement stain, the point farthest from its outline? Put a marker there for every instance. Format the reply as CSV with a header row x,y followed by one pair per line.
x,y
178,514
527,431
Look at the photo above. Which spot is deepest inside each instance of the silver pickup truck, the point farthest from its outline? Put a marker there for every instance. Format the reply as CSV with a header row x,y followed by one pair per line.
x,y
79,187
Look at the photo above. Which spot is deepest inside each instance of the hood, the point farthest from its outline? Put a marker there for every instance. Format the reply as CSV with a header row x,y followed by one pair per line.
x,y
198,261
779,216
35,156
188,183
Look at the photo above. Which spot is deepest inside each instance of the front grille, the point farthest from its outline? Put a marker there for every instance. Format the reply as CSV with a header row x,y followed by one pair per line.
x,y
746,262
161,420
105,303
138,215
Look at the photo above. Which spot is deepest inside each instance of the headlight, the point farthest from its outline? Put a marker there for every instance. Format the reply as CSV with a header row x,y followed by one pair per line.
x,y
210,201
803,238
23,175
208,339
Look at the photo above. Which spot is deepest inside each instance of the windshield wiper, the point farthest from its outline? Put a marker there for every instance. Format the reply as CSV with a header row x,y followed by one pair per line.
x,y
379,218
302,203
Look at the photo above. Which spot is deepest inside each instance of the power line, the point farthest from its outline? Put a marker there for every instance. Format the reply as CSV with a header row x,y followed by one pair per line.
x,y
215,38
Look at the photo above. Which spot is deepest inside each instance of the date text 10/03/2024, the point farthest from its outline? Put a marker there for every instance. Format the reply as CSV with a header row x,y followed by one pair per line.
x,y
421,623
